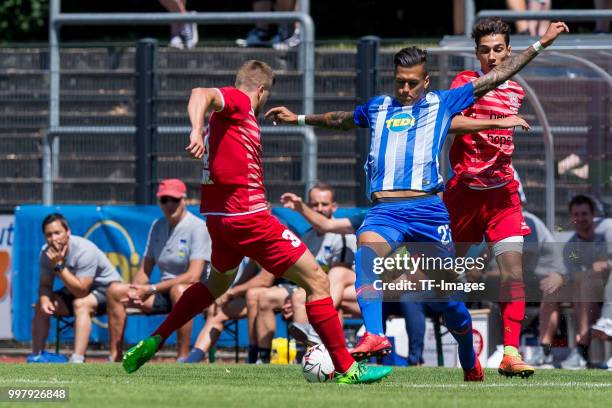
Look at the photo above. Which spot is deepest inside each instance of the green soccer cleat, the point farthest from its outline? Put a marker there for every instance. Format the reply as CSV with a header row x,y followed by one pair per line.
x,y
141,353
360,373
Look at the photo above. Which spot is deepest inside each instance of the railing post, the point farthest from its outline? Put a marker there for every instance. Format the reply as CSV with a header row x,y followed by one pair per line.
x,y
145,120
367,78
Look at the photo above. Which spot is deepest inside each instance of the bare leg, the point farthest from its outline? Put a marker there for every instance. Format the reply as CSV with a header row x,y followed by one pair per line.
x,y
215,319
252,300
518,5
459,18
262,5
84,309
269,301
41,322
603,25
175,6
340,278
298,303
549,321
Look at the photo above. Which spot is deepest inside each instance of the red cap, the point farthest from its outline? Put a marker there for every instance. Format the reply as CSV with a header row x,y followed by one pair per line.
x,y
172,188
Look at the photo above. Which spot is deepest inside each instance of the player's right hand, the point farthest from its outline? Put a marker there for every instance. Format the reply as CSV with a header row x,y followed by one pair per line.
x,y
281,114
196,144
514,121
292,201
554,30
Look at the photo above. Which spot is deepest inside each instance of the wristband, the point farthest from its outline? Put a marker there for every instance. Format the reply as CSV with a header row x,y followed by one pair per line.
x,y
59,267
301,120
538,47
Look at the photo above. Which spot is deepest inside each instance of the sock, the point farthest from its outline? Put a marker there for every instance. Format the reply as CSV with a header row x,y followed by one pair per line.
x,y
195,299
459,323
253,352
511,351
195,355
547,348
264,355
512,305
369,299
324,318
583,350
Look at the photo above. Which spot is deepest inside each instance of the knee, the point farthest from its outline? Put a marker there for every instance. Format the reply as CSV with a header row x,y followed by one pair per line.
x,y
116,291
80,305
265,302
252,298
176,292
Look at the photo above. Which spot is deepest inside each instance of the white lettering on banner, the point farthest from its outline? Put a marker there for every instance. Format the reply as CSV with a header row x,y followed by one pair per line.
x,y
7,237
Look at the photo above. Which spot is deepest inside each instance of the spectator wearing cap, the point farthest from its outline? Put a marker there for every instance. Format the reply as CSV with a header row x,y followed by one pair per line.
x,y
179,244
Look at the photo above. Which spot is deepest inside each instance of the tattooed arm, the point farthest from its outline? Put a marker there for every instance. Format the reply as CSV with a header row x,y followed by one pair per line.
x,y
515,63
331,120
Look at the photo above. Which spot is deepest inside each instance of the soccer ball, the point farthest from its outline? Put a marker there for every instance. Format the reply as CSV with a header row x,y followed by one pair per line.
x,y
317,365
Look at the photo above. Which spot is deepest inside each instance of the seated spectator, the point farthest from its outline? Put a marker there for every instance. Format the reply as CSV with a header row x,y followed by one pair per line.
x,y
179,244
182,35
585,258
602,329
262,303
262,36
336,255
538,27
86,274
230,306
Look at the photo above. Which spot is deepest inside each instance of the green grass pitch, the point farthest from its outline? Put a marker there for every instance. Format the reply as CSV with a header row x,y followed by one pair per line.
x,y
173,386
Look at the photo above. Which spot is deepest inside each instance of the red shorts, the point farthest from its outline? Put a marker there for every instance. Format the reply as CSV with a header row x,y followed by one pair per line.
x,y
259,236
495,214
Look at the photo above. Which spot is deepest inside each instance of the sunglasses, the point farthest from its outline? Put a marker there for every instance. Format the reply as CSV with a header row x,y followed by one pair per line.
x,y
168,199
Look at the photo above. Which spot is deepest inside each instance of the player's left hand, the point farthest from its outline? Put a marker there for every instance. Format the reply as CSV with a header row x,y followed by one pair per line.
x,y
281,115
512,122
196,144
554,30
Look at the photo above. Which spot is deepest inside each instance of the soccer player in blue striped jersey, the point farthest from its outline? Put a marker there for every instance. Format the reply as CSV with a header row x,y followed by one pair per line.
x,y
403,170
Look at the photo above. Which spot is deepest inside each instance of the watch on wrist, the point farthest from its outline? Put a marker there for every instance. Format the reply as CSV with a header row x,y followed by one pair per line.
x,y
153,289
59,267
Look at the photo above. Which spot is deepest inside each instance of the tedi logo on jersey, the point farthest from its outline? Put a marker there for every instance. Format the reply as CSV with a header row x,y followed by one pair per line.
x,y
400,122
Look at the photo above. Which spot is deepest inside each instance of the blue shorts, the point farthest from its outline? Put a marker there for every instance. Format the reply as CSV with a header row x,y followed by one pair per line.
x,y
421,221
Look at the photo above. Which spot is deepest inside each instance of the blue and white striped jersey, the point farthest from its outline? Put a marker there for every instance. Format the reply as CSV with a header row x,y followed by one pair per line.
x,y
406,141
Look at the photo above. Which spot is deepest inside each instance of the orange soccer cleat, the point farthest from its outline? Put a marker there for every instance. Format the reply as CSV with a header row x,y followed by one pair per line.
x,y
371,345
475,374
514,365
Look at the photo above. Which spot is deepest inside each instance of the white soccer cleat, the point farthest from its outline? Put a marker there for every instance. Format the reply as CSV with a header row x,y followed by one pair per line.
x,y
602,329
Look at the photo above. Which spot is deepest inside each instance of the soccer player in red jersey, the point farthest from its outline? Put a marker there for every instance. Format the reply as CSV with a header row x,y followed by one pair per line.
x,y
482,197
240,224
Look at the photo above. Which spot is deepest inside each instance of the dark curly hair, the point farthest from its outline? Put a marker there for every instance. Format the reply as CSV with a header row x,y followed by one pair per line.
x,y
489,26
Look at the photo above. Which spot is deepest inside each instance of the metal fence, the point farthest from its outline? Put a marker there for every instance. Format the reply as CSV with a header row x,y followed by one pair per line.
x,y
97,90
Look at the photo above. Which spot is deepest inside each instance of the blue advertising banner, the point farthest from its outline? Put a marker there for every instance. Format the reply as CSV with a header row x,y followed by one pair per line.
x,y
120,232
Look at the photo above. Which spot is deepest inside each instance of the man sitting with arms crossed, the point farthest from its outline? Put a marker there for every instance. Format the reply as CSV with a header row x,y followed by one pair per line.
x,y
86,274
179,244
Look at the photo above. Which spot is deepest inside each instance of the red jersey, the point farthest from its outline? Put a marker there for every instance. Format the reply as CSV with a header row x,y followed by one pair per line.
x,y
232,172
484,160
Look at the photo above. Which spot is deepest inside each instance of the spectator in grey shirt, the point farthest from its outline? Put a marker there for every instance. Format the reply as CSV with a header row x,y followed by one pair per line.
x,y
86,274
179,244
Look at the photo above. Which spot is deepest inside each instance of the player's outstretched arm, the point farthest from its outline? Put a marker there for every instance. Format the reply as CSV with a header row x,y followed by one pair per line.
x,y
463,125
515,63
200,102
330,120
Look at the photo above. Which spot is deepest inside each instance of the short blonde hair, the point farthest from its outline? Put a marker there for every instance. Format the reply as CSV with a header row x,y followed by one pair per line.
x,y
254,73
